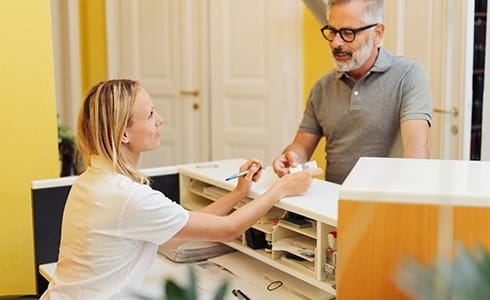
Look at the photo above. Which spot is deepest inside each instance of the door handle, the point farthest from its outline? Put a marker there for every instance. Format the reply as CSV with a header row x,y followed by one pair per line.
x,y
193,93
453,111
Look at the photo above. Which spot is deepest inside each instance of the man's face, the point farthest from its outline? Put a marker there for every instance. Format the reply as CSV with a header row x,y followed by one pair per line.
x,y
349,59
353,55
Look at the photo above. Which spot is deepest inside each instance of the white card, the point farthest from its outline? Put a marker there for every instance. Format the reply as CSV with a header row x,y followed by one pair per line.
x,y
301,167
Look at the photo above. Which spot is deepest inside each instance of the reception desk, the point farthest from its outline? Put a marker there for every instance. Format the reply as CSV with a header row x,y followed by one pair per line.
x,y
195,186
391,208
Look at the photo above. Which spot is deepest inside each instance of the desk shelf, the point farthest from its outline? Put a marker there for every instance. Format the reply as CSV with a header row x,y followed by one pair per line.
x,y
198,187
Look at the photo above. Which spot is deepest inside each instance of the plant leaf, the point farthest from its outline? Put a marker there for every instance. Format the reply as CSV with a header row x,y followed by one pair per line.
x,y
415,279
221,291
192,288
174,292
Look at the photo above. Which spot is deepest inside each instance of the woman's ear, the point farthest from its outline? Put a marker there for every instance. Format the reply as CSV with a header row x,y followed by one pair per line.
x,y
125,138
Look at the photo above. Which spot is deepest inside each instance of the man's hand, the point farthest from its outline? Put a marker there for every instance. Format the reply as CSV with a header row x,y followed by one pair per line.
x,y
283,162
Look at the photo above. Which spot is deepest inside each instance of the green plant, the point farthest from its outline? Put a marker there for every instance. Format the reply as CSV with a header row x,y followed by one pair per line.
x,y
64,133
174,291
71,162
467,276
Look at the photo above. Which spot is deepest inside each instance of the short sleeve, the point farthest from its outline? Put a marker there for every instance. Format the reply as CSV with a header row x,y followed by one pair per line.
x,y
416,98
150,216
310,123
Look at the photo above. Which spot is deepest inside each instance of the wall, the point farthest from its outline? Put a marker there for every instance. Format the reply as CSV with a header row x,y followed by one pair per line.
x,y
317,61
93,49
27,130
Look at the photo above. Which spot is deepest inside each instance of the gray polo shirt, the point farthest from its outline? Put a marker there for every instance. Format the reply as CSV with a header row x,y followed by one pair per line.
x,y
362,118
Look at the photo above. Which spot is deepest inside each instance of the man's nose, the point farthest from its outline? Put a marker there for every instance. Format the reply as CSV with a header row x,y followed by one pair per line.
x,y
337,40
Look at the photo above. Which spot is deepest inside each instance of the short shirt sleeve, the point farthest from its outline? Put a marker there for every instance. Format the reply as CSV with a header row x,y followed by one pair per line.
x,y
416,103
310,122
151,216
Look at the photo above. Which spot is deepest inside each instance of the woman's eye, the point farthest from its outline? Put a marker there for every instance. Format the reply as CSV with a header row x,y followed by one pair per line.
x,y
152,112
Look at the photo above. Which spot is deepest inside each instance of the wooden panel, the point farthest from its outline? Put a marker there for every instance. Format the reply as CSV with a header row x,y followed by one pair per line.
x,y
375,236
471,225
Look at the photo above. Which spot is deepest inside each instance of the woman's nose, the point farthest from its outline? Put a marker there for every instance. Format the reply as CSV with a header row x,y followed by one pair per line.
x,y
160,120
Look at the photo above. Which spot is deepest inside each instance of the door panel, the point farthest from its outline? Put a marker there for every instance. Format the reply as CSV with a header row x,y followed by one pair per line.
x,y
150,39
225,75
255,89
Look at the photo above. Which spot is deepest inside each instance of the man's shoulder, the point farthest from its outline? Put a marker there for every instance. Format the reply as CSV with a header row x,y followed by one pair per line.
x,y
327,77
398,65
402,61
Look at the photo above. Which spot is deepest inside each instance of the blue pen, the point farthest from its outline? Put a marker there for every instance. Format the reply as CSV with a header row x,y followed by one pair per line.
x,y
241,174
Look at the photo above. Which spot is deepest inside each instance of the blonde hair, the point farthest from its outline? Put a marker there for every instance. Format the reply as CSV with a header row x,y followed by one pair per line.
x,y
102,120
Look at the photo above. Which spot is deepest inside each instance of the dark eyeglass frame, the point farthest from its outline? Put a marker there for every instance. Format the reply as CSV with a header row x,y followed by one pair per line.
x,y
342,31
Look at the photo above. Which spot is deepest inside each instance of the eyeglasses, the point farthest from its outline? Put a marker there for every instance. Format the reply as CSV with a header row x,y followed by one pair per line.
x,y
347,34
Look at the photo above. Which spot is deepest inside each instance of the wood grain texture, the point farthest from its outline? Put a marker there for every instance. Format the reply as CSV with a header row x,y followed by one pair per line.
x,y
375,236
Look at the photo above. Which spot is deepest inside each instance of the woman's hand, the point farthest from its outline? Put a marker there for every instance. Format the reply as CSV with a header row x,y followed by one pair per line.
x,y
254,167
298,182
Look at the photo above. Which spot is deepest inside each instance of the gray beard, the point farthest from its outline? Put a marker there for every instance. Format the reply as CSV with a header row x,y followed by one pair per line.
x,y
358,58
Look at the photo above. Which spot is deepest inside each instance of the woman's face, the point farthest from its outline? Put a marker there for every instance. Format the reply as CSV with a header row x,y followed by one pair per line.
x,y
143,133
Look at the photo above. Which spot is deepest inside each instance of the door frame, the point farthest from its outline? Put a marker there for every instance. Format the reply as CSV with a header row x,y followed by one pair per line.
x,y
67,57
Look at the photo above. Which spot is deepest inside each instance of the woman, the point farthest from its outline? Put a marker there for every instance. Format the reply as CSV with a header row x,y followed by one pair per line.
x,y
113,221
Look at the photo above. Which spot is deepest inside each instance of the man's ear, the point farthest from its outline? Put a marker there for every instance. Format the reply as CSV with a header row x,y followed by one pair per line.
x,y
379,32
125,138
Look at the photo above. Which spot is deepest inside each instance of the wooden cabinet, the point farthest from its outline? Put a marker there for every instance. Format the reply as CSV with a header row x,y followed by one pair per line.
x,y
393,208
297,249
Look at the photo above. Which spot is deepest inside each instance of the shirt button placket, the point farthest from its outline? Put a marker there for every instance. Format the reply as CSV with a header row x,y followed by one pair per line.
x,y
355,99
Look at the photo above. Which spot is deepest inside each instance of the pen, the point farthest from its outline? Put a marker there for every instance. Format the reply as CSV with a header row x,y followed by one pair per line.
x,y
240,174
240,295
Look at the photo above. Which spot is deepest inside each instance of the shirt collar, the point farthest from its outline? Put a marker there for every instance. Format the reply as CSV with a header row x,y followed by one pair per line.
x,y
382,64
100,163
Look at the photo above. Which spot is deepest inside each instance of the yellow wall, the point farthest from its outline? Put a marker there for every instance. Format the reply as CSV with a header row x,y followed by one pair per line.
x,y
92,43
27,130
316,62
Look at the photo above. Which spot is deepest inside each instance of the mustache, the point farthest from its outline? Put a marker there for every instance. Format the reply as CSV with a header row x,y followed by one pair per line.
x,y
340,51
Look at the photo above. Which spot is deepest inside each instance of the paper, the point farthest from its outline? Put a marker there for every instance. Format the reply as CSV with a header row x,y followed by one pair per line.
x,y
299,245
311,164
194,251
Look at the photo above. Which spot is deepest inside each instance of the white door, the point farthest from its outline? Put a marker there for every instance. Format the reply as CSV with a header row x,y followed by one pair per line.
x,y
149,41
255,76
225,75
439,35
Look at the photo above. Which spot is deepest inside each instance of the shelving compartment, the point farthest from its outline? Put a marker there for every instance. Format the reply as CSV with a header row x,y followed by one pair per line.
x,y
262,230
322,245
297,246
192,196
295,250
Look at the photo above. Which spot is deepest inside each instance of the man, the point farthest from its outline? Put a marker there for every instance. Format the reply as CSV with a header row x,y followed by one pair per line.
x,y
363,105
